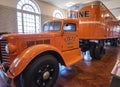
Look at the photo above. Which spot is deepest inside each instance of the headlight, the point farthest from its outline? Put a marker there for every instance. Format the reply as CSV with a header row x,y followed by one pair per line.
x,y
6,48
10,48
1,37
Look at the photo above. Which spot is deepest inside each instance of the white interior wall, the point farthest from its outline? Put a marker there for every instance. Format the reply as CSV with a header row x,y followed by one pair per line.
x,y
9,3
8,9
45,8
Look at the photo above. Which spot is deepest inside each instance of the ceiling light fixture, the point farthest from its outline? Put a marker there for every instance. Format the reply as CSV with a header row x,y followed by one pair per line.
x,y
69,4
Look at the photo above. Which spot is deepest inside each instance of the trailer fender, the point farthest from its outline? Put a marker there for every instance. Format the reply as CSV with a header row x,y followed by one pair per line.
x,y
22,60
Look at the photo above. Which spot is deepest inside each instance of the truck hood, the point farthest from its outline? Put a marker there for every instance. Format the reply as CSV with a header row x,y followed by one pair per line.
x,y
40,35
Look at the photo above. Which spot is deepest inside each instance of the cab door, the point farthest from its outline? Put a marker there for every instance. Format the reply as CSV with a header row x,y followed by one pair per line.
x,y
70,37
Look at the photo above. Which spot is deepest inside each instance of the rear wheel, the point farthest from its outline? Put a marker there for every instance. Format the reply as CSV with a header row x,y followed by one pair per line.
x,y
96,50
92,49
114,42
42,72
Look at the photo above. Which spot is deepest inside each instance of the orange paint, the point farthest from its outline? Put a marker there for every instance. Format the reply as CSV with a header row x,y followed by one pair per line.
x,y
92,24
95,21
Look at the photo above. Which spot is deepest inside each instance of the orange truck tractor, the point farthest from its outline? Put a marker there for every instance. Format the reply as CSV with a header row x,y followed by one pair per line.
x,y
32,60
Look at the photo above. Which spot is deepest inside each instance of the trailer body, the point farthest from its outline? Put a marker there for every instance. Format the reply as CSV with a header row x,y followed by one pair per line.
x,y
96,22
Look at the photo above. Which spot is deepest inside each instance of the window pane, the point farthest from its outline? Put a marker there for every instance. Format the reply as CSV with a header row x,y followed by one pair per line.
x,y
22,1
68,27
37,19
19,19
19,23
31,21
26,1
52,26
57,26
28,8
19,14
46,27
20,29
57,14
18,7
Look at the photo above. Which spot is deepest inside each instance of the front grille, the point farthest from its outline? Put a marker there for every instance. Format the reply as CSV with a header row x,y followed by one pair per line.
x,y
5,56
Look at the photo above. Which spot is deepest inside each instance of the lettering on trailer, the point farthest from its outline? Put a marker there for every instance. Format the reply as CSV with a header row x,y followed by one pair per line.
x,y
84,14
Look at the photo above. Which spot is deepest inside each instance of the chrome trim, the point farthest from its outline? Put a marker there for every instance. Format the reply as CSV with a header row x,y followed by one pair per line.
x,y
5,56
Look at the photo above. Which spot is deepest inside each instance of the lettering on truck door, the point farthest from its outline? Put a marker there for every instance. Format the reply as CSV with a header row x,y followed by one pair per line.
x,y
70,39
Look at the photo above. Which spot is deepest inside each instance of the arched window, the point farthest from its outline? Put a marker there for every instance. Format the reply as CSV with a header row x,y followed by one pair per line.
x,y
28,17
58,14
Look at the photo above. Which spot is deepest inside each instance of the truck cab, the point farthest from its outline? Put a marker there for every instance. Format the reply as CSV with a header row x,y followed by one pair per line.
x,y
35,58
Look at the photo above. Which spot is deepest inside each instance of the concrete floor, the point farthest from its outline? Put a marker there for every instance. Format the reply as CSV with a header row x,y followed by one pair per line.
x,y
95,73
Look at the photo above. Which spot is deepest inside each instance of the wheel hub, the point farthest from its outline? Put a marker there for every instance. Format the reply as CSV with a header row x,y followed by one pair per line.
x,y
46,75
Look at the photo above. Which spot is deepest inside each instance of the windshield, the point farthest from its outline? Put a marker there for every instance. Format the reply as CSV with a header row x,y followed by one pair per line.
x,y
51,26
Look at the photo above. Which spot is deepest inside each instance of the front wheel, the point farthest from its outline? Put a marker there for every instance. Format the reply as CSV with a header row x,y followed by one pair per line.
x,y
42,72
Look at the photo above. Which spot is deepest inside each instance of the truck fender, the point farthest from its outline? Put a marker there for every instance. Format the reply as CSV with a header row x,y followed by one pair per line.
x,y
22,60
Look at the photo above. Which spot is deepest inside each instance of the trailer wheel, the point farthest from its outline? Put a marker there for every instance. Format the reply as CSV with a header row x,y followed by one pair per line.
x,y
98,52
92,49
115,42
42,72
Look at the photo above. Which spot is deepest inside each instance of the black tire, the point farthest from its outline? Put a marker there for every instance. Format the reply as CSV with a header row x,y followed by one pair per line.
x,y
98,52
115,42
18,81
42,72
92,49
111,42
